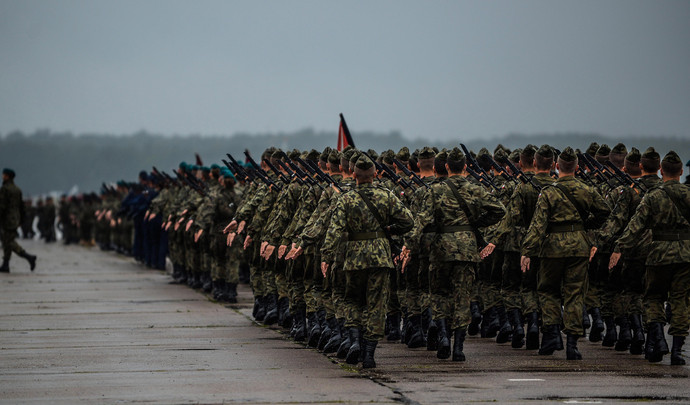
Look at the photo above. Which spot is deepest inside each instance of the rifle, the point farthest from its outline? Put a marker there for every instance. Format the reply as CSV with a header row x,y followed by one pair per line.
x,y
316,180
481,179
316,170
165,176
277,172
478,169
521,175
293,174
389,173
237,171
590,164
254,164
501,171
626,177
409,173
188,182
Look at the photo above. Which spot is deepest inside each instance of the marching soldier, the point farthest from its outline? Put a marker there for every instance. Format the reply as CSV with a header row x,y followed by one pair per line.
x,y
11,215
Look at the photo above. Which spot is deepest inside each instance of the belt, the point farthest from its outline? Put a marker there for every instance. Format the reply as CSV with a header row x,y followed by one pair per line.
x,y
430,229
561,228
455,228
670,235
365,235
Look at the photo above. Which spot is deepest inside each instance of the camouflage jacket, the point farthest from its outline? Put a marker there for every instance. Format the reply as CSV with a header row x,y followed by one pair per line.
x,y
352,216
315,230
554,209
659,213
11,206
422,247
441,208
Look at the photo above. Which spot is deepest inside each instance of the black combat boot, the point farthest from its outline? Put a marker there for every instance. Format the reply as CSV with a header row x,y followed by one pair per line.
x,y
207,282
586,324
271,309
518,329
336,337
443,351
505,332
571,352
197,282
300,321
597,325
416,336
405,325
490,323
676,356
218,289
458,343
533,331
473,329
432,336
611,335
551,340
345,343
259,310
658,345
230,293
637,343
624,334
354,352
369,349
668,313
5,266
314,330
326,332
394,328
283,308
31,259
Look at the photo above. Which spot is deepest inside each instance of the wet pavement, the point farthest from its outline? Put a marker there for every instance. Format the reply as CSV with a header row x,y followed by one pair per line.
x,y
96,327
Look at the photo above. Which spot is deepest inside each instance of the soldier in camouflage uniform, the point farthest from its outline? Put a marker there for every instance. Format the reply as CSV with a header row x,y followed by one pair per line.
x,y
666,211
456,208
11,207
368,258
557,235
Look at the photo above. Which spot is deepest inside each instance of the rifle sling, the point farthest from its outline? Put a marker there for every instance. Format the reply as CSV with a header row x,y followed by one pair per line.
x,y
376,215
569,196
676,201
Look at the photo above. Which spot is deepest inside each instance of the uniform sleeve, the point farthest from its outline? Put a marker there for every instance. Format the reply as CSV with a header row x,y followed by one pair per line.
x,y
537,228
335,232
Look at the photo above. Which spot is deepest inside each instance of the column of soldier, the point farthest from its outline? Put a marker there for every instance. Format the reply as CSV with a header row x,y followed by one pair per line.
x,y
346,248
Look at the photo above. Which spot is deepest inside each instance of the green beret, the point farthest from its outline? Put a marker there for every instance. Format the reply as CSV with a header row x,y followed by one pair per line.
x,y
205,169
8,172
619,149
403,154
354,156
441,156
388,157
313,155
215,166
373,154
334,157
347,153
651,154
688,163
456,155
183,165
426,153
672,157
227,174
603,150
364,163
514,156
567,155
633,156
195,167
324,155
294,154
592,149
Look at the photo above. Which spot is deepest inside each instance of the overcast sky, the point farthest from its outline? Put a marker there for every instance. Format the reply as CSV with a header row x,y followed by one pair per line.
x,y
434,69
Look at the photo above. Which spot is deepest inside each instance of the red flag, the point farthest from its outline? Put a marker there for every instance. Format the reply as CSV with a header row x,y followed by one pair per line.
x,y
344,137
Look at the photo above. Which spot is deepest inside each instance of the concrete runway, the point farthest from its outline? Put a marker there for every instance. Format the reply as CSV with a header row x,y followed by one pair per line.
x,y
95,327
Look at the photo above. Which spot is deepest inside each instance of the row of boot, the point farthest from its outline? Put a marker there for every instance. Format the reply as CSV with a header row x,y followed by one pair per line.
x,y
221,290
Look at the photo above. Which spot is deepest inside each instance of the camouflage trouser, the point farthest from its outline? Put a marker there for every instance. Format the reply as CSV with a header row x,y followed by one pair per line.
x,y
393,300
336,277
367,295
311,288
633,274
669,282
268,275
511,281
230,262
414,290
9,244
488,293
256,279
609,283
452,284
596,284
294,272
530,298
423,277
563,280
278,268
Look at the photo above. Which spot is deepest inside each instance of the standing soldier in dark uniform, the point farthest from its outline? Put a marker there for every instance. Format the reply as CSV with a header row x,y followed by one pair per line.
x,y
368,258
666,211
28,223
11,213
557,235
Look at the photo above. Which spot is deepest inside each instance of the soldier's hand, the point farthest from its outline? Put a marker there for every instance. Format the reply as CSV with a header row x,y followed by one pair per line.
x,y
152,216
231,238
197,235
146,216
167,227
487,251
268,251
112,223
405,255
241,226
231,227
247,242
613,261
592,252
262,249
524,263
189,225
281,251
183,212
324,268
295,252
